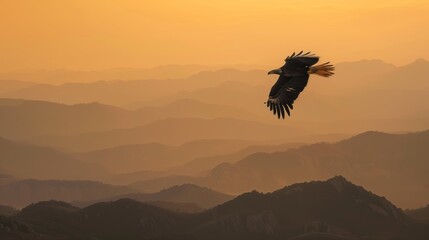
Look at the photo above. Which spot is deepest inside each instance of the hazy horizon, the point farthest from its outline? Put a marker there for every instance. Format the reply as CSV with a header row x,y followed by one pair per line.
x,y
101,35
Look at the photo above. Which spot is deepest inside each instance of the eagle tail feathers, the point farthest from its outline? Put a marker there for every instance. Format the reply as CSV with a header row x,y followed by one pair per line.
x,y
324,70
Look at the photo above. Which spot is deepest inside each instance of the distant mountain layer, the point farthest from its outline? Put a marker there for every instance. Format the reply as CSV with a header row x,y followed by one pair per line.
x,y
21,193
23,160
186,193
176,131
171,71
22,119
392,164
333,209
155,156
125,91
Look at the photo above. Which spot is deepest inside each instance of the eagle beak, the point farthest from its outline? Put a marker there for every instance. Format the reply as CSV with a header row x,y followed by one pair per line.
x,y
276,71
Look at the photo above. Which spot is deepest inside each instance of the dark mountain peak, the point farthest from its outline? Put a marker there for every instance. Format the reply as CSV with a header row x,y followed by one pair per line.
x,y
320,204
339,182
129,217
48,209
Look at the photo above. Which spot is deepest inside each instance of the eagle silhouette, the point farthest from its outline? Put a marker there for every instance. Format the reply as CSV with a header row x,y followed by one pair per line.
x,y
293,79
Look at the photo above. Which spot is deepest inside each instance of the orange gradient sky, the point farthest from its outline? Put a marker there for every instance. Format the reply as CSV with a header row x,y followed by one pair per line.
x,y
97,34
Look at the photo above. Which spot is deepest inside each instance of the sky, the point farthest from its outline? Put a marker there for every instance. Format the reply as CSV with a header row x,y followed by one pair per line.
x,y
100,34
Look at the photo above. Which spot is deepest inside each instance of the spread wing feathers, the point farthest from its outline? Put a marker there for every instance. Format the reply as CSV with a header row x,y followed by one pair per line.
x,y
282,101
301,60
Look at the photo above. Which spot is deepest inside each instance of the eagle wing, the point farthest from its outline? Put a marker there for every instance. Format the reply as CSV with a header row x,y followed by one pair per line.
x,y
297,64
282,96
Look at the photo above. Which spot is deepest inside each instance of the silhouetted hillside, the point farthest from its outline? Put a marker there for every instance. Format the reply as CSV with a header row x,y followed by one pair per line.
x,y
154,156
332,209
335,206
419,213
391,164
22,193
7,211
199,165
186,193
177,207
23,160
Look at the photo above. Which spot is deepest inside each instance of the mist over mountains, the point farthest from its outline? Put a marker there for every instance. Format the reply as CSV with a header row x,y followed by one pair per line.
x,y
150,154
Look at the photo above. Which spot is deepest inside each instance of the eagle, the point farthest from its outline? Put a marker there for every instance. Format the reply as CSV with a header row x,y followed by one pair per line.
x,y
293,78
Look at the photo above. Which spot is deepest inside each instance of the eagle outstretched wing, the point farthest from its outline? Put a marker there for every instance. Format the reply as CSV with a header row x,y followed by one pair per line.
x,y
291,82
282,97
298,64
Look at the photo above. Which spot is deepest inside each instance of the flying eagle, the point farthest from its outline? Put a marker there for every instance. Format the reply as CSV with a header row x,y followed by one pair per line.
x,y
293,79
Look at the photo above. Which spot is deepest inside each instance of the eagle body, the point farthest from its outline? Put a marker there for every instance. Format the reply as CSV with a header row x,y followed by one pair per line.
x,y
293,78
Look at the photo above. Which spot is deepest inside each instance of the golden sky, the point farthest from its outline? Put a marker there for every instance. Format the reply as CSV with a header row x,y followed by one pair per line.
x,y
98,34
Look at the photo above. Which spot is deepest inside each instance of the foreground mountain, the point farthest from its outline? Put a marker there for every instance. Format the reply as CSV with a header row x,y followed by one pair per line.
x,y
333,209
186,193
419,213
21,193
8,211
23,160
392,164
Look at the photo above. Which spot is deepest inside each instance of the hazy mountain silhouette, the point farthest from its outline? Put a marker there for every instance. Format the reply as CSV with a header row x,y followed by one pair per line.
x,y
26,118
187,193
6,178
131,177
171,71
155,156
7,86
132,92
202,164
7,211
393,165
176,131
21,193
336,105
332,209
23,160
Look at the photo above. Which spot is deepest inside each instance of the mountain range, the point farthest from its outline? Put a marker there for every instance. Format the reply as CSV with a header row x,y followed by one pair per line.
x,y
176,131
23,119
155,156
332,209
186,193
391,164
24,160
